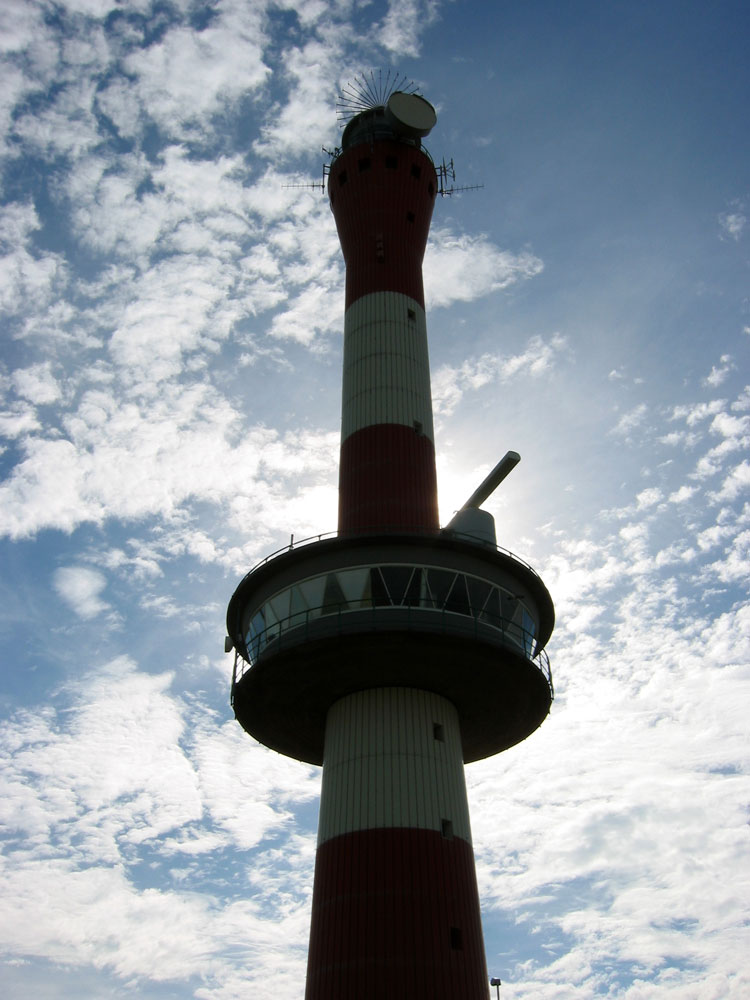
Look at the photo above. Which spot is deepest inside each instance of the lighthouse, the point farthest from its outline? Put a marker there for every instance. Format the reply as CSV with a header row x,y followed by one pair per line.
x,y
394,651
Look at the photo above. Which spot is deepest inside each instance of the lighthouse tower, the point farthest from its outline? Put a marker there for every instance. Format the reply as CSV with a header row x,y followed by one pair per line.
x,y
393,652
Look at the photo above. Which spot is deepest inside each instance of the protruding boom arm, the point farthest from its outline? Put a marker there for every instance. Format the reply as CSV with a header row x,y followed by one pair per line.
x,y
503,468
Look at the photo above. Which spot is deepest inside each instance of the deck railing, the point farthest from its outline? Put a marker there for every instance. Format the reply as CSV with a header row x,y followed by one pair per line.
x,y
330,620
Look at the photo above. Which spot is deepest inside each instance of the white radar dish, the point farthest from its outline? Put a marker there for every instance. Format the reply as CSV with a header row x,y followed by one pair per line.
x,y
411,114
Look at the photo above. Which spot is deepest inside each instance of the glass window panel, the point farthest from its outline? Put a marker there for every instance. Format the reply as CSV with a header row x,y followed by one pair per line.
x,y
508,604
298,610
528,622
492,613
355,585
312,592
333,596
458,599
271,616
396,580
413,595
255,638
515,633
378,589
479,591
439,583
277,609
529,631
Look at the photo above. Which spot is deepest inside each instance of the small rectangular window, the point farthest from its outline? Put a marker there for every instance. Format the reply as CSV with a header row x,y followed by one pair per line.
x,y
364,164
342,178
437,732
446,828
411,314
456,939
416,171
410,216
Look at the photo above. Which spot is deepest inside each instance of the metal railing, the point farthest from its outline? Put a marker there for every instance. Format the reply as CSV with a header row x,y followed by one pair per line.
x,y
394,533
330,620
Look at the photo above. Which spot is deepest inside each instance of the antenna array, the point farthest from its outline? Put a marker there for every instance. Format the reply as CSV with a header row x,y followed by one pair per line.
x,y
446,174
368,91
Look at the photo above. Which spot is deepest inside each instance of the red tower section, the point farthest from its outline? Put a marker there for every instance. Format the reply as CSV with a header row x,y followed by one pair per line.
x,y
395,652
382,195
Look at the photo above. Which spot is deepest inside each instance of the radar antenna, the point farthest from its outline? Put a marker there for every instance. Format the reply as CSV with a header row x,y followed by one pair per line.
x,y
370,91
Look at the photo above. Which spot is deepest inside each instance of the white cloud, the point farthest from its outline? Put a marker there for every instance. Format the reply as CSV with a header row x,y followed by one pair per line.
x,y
150,456
405,22
188,76
449,383
465,268
693,414
720,374
631,420
303,123
80,587
86,793
37,384
736,482
732,224
26,275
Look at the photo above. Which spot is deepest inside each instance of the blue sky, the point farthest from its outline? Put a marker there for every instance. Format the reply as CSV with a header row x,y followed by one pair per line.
x,y
172,310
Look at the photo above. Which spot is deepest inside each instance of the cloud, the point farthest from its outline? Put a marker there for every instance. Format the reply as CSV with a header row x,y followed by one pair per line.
x,y
732,224
153,456
303,122
450,383
720,374
37,384
465,268
26,274
404,23
128,776
735,483
80,588
631,420
190,75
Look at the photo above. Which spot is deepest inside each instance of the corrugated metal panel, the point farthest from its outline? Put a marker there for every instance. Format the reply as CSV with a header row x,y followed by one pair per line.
x,y
387,480
396,915
384,767
386,364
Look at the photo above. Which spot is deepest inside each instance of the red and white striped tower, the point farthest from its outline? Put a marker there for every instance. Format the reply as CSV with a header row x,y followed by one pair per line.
x,y
395,652
395,890
382,190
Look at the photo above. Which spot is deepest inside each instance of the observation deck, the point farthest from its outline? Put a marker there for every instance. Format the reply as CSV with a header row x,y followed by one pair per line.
x,y
434,611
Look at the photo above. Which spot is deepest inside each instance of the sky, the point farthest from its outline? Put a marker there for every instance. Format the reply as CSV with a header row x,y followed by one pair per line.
x,y
171,293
